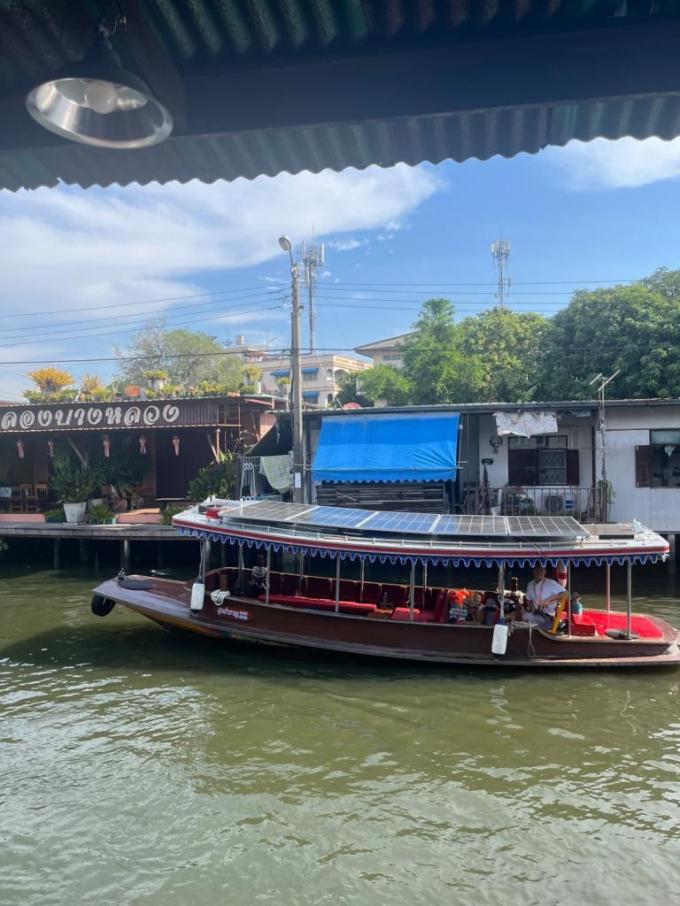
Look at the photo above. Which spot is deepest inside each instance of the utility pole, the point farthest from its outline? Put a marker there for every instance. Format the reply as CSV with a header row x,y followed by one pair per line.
x,y
500,252
602,430
312,258
296,388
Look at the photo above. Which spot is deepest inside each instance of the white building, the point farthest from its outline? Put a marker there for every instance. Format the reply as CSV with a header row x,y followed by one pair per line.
x,y
385,352
321,376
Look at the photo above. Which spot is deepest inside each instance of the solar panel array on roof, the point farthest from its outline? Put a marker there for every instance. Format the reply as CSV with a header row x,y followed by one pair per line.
x,y
545,526
372,521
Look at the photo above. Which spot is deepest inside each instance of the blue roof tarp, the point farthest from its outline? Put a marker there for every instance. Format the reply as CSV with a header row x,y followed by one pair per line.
x,y
401,447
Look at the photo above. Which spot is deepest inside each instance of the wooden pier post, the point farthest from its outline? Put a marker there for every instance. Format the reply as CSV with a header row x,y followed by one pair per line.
x,y
125,554
56,545
82,550
672,555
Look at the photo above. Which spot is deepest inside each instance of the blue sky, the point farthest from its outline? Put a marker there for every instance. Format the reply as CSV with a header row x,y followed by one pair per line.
x,y
97,263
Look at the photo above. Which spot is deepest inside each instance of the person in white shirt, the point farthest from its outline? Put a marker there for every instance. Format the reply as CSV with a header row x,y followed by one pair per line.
x,y
542,596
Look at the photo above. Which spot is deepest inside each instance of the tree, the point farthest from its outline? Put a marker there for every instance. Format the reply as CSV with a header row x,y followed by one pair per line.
x,y
634,328
507,347
435,364
189,357
382,382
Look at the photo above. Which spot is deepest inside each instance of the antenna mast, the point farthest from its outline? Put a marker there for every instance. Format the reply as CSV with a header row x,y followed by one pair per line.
x,y
313,257
602,430
500,252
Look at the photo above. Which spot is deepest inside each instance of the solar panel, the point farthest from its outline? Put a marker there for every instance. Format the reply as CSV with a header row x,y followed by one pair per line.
x,y
335,517
476,526
399,523
545,527
269,511
402,523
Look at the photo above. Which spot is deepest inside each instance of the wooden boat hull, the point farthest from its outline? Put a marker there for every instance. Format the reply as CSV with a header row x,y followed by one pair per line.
x,y
244,619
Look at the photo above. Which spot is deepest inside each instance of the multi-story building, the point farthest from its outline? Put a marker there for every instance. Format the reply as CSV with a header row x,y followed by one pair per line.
x,y
385,352
321,376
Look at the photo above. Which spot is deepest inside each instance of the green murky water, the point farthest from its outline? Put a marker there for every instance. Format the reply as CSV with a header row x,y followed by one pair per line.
x,y
139,768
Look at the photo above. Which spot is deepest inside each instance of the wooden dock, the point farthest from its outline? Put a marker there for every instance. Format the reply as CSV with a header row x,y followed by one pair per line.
x,y
83,533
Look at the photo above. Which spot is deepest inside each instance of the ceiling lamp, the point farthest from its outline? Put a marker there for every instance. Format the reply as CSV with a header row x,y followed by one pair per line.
x,y
99,103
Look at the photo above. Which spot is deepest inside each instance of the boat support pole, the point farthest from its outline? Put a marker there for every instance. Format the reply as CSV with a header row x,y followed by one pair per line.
x,y
569,598
240,567
362,573
501,591
337,584
411,590
608,585
268,576
424,581
629,596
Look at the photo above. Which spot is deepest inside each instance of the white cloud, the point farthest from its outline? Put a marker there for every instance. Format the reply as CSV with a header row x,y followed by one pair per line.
x,y
625,163
346,245
64,248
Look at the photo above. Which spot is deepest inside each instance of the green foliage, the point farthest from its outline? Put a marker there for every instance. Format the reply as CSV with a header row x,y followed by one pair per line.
x,y
634,328
187,356
55,515
218,478
506,348
99,515
379,383
72,481
169,512
3,546
436,366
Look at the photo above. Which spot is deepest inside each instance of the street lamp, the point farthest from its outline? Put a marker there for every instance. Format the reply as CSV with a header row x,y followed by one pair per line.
x,y
298,460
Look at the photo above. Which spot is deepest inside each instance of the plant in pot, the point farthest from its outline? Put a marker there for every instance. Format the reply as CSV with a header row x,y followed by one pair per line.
x,y
73,483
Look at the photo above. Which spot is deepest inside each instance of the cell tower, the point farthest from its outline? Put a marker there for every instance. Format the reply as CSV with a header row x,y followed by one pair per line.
x,y
500,252
312,258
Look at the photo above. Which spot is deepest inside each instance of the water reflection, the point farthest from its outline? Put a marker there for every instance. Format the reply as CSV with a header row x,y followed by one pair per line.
x,y
143,768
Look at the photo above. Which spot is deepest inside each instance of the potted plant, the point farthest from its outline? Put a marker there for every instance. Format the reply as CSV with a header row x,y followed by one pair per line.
x,y
100,515
73,483
156,378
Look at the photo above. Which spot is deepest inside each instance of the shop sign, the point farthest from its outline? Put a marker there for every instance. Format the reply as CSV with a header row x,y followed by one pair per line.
x,y
108,416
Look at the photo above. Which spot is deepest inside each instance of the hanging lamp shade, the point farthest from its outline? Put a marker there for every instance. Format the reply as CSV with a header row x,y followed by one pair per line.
x,y
99,103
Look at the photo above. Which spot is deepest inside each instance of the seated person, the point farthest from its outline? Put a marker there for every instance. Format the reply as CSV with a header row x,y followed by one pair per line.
x,y
258,578
542,598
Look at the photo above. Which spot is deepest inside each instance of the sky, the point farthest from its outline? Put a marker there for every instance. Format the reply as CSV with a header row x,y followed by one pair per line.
x,y
83,270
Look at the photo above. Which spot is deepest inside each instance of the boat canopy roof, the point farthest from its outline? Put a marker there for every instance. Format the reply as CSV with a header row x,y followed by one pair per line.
x,y
434,538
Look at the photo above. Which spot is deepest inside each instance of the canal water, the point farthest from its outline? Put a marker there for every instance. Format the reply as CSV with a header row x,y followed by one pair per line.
x,y
141,768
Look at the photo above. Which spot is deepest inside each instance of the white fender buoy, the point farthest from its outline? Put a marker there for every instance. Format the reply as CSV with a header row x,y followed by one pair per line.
x,y
499,642
197,596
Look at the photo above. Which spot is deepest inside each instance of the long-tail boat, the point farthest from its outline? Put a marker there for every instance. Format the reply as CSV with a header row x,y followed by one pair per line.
x,y
263,602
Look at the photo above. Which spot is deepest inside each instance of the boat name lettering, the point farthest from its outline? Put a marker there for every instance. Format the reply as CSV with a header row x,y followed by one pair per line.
x,y
234,614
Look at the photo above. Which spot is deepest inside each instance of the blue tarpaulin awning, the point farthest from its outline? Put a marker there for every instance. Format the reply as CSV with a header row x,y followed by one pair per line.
x,y
420,446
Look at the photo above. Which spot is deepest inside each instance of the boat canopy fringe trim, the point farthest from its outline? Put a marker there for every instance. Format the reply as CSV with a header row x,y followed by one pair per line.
x,y
477,562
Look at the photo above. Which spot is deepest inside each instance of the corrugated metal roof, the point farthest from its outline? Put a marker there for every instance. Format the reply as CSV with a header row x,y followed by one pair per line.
x,y
39,36
210,36
337,146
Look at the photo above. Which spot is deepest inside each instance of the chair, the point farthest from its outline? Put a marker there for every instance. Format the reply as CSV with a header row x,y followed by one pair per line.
x,y
41,490
16,504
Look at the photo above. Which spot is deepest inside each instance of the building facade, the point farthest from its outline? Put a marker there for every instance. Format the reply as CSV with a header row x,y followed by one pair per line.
x,y
385,352
528,459
321,376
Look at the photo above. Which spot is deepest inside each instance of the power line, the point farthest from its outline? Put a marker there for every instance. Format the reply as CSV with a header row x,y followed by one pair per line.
x,y
141,319
135,329
31,314
605,347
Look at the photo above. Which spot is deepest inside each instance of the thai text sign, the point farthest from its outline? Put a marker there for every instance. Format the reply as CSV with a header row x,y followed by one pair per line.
x,y
91,417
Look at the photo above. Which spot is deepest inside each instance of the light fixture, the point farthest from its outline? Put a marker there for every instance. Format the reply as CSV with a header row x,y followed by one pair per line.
x,y
99,103
285,243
